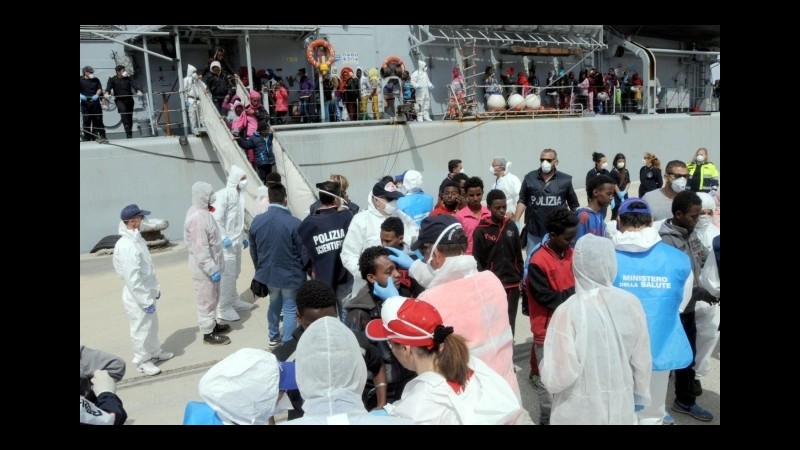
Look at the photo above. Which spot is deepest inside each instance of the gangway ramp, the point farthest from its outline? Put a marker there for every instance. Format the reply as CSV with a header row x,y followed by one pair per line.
x,y
300,192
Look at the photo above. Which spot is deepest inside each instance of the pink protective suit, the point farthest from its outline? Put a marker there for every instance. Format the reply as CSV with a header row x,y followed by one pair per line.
x,y
204,245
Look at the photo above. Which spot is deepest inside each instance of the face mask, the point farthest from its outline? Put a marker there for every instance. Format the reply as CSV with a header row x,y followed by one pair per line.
x,y
212,199
700,158
620,165
124,73
491,171
546,167
704,221
679,185
390,207
91,75
644,161
604,165
242,185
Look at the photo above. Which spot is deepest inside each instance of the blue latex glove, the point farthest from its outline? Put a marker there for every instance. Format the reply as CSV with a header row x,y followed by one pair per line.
x,y
621,195
83,98
385,292
227,242
95,97
215,277
400,258
150,309
613,203
637,408
245,244
379,412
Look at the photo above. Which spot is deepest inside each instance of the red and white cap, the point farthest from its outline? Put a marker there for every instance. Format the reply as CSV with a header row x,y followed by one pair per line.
x,y
406,321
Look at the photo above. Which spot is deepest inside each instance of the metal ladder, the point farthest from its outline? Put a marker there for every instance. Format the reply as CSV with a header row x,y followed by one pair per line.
x,y
467,106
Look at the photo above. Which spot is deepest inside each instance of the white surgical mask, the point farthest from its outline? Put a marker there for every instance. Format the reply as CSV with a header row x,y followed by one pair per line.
x,y
546,167
700,158
242,185
644,161
704,221
124,73
620,165
212,199
390,207
604,165
91,75
491,171
679,185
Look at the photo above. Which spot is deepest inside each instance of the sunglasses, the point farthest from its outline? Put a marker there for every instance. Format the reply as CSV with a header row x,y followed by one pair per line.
x,y
550,160
679,176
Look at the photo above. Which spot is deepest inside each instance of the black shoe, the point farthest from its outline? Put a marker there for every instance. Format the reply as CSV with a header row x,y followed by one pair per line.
x,y
216,339
697,388
221,328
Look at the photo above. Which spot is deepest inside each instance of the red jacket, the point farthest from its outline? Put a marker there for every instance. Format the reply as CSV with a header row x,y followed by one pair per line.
x,y
550,283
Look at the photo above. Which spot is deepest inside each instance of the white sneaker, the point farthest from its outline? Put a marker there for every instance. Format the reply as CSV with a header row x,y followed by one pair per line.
x,y
228,314
241,305
148,368
163,356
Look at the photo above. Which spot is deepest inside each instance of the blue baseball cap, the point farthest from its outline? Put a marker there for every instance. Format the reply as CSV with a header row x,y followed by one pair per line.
x,y
131,211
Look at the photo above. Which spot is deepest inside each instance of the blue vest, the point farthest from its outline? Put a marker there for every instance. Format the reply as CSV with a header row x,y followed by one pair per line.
x,y
199,413
657,278
417,205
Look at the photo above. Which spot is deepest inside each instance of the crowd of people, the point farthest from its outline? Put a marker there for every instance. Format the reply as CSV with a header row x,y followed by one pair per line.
x,y
415,298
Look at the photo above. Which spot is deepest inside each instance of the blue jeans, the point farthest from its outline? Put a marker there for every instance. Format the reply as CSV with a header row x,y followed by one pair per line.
x,y
304,113
282,300
532,242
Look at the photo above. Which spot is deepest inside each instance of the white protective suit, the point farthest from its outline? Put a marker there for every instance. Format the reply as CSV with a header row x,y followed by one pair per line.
x,y
262,203
597,352
331,375
474,304
364,232
486,400
193,111
510,184
229,214
243,388
707,316
204,245
422,84
133,264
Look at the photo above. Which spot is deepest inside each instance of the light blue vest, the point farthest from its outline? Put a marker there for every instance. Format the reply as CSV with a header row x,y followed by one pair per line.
x,y
199,413
657,278
417,205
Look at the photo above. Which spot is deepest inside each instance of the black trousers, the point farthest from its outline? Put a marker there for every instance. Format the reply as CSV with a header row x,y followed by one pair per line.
x,y
513,304
684,378
93,127
125,108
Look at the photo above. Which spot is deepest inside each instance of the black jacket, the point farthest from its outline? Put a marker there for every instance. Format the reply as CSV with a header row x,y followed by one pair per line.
x,y
540,198
496,247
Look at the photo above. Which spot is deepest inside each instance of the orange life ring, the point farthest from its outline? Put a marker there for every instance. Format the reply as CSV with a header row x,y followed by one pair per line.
x,y
394,59
320,43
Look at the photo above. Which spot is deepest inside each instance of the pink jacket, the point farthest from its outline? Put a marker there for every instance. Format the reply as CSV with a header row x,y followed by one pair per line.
x,y
281,99
251,121
475,305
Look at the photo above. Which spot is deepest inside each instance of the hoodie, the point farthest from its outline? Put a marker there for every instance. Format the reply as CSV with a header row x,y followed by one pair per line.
x,y
496,247
689,243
